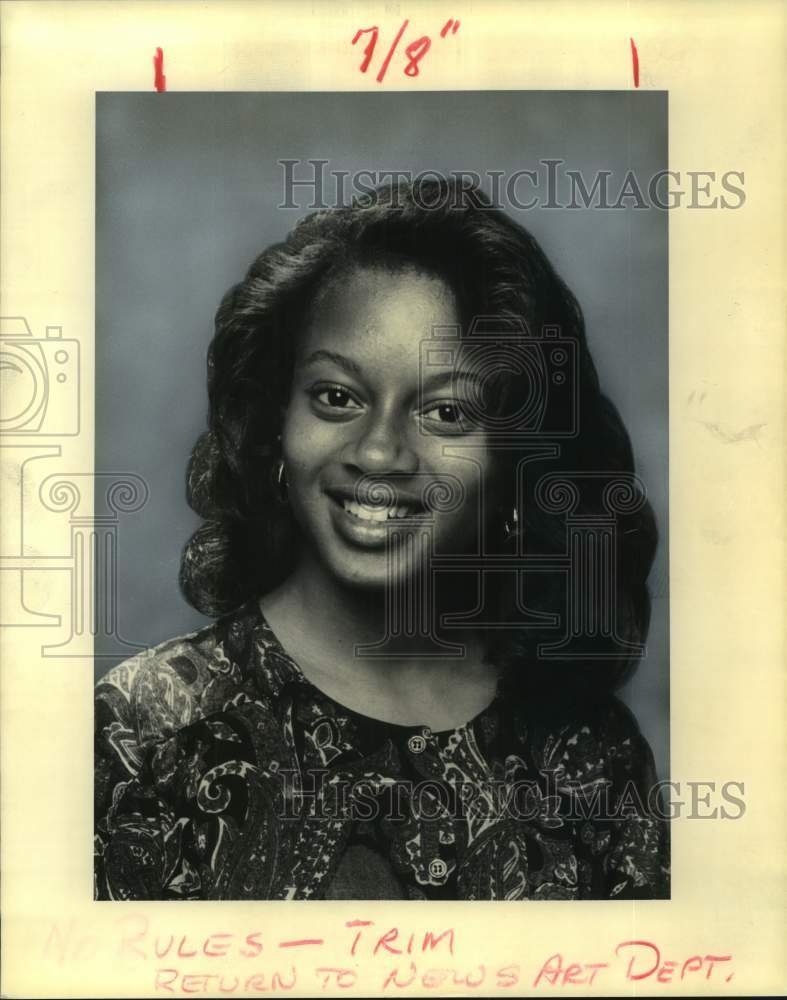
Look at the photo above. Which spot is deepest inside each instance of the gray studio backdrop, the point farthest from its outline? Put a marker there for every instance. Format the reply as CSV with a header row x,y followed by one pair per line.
x,y
187,189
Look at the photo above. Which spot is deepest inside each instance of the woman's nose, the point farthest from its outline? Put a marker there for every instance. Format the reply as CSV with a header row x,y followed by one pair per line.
x,y
383,445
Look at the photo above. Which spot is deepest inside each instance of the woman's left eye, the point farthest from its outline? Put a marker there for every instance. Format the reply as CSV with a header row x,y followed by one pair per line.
x,y
449,415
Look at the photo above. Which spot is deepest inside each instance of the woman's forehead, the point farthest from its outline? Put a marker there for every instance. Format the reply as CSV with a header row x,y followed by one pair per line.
x,y
379,312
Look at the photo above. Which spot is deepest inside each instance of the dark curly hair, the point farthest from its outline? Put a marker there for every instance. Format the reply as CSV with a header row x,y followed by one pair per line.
x,y
246,543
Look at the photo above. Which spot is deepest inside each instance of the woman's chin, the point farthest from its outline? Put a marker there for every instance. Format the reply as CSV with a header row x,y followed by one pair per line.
x,y
360,571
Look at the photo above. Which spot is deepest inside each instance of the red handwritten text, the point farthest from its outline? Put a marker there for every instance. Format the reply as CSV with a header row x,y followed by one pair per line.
x,y
366,955
556,972
414,52
644,961
403,977
396,943
175,981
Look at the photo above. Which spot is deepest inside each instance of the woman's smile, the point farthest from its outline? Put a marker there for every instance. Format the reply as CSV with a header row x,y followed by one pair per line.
x,y
369,525
379,514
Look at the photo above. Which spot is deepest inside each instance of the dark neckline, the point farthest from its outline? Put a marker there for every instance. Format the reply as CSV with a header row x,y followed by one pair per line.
x,y
261,622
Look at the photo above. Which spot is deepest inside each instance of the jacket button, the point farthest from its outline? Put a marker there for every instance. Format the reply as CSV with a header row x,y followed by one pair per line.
x,y
416,744
438,868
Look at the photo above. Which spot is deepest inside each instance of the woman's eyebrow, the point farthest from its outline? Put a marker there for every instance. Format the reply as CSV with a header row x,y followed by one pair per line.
x,y
449,376
428,381
338,359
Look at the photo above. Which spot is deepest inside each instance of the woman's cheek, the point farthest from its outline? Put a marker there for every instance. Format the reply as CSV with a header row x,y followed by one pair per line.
x,y
472,476
307,441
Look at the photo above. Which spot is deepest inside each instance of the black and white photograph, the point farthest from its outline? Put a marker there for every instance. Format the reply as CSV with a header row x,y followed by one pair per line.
x,y
393,462
390,374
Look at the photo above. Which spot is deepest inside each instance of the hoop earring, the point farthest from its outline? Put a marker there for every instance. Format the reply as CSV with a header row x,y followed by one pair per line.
x,y
511,528
282,486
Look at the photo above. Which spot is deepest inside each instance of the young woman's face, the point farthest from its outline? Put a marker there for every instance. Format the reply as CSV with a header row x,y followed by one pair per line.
x,y
358,410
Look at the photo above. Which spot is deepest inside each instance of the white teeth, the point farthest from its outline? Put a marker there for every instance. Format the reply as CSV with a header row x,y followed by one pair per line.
x,y
374,513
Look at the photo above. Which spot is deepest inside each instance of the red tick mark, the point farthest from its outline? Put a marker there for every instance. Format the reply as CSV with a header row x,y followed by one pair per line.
x,y
159,80
452,24
635,62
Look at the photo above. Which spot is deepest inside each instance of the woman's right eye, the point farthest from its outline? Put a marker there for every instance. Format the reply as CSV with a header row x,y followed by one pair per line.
x,y
336,397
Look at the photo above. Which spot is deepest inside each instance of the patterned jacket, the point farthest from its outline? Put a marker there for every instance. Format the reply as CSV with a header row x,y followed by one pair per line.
x,y
223,773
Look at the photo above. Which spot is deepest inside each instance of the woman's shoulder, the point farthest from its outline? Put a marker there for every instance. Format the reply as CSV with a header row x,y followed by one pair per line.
x,y
167,687
588,738
607,720
615,733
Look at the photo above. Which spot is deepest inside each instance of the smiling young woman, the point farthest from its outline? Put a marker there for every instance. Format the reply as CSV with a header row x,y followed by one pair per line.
x,y
358,409
372,714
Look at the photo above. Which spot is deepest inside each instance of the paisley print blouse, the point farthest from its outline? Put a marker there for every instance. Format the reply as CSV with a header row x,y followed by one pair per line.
x,y
223,773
